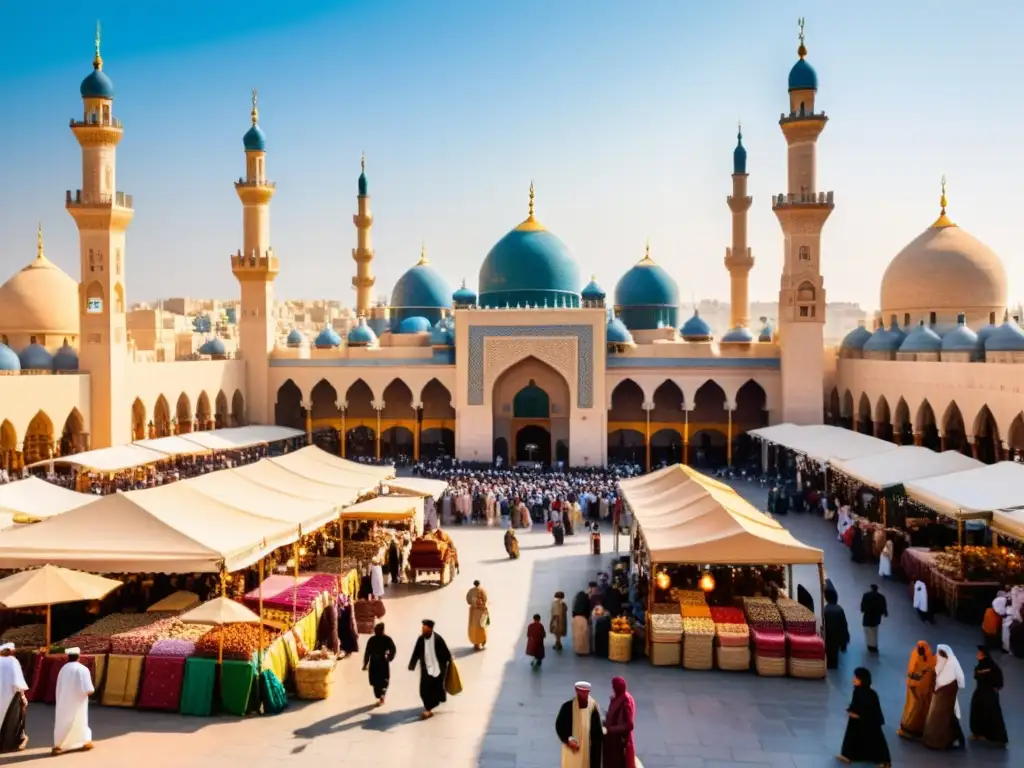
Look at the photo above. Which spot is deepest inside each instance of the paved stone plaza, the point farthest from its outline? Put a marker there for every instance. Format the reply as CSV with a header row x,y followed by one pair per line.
x,y
505,718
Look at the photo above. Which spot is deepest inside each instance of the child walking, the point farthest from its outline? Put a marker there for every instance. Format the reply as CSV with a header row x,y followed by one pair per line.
x,y
535,635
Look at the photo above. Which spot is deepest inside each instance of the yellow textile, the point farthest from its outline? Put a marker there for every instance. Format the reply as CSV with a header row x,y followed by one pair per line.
x,y
291,650
124,675
452,680
98,680
476,599
306,628
276,659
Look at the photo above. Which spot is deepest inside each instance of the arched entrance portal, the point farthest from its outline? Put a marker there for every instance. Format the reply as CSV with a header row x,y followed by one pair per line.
x,y
530,404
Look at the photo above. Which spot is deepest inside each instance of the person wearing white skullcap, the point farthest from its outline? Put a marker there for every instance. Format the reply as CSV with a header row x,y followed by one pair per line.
x,y
579,729
13,703
71,718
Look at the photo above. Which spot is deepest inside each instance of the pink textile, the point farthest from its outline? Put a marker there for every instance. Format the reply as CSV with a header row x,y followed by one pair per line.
x,y
162,678
806,647
768,640
279,590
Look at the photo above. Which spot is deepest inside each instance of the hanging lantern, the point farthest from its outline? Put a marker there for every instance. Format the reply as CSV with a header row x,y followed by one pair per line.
x,y
302,551
707,582
663,580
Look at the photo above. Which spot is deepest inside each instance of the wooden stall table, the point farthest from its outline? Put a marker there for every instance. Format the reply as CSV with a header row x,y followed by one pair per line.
x,y
963,600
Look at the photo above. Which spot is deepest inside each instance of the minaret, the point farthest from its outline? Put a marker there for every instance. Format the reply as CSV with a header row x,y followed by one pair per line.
x,y
363,252
256,266
802,213
738,259
102,215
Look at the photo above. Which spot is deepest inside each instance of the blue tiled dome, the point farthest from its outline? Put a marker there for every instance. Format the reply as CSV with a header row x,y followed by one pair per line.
x,y
961,338
739,335
529,266
592,291
214,347
362,335
464,296
856,339
696,329
766,333
1008,337
441,335
647,297
921,339
295,338
618,333
328,338
66,359
414,324
985,331
883,340
35,357
97,85
739,155
421,287
802,76
8,359
255,140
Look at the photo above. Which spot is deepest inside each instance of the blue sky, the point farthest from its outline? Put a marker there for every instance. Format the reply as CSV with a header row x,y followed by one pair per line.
x,y
623,114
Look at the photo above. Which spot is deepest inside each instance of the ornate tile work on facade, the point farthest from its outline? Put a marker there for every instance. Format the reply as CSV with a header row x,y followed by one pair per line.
x,y
500,354
584,335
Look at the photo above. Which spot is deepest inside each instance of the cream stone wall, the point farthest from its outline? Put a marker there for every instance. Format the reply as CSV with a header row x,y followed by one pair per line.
x,y
22,396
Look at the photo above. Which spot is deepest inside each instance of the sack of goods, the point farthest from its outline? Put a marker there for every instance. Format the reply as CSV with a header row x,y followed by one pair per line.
x,y
769,652
806,656
698,642
314,678
796,619
761,613
620,641
666,638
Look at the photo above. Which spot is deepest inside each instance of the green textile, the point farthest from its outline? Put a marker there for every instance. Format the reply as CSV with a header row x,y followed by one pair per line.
x,y
275,698
197,687
236,679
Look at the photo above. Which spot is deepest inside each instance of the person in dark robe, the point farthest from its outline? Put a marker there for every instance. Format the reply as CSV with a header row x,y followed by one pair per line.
x,y
394,562
864,741
987,723
578,726
837,631
380,652
13,702
857,545
613,602
618,749
348,633
942,726
830,591
581,604
602,630
781,505
432,654
804,598
327,630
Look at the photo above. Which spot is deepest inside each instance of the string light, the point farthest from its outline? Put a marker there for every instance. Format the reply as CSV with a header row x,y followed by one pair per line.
x,y
707,582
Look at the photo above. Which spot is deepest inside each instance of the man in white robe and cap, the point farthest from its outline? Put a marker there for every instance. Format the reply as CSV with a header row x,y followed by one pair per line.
x,y
377,578
71,718
579,729
13,704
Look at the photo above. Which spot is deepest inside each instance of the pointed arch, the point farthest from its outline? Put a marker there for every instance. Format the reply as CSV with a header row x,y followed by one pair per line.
x,y
883,419
864,419
162,417
398,401
288,410
139,431
987,443
204,415
71,434
8,445
902,425
437,401
238,409
834,410
183,413
668,403
221,414
751,403
359,401
323,401
709,404
38,439
627,402
1014,438
954,433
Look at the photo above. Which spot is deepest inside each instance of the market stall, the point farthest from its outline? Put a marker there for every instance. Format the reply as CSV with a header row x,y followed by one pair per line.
x,y
31,500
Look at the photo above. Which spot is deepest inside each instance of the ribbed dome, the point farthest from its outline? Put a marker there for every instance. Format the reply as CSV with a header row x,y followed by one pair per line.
x,y
857,338
802,77
362,335
617,333
961,338
921,339
214,347
328,338
592,291
40,299
1006,338
35,357
9,359
696,329
295,338
66,359
463,296
415,324
739,335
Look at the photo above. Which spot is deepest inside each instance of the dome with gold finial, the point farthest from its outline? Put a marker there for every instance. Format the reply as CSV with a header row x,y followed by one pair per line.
x,y
646,297
529,267
255,140
802,76
421,292
97,85
944,271
40,300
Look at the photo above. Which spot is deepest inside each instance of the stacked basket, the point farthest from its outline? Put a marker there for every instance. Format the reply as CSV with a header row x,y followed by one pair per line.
x,y
666,636
732,639
806,656
767,635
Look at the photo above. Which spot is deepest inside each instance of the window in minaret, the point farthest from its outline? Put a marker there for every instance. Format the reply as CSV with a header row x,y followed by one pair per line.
x,y
906,319
92,261
108,178
106,114
805,253
932,317
117,264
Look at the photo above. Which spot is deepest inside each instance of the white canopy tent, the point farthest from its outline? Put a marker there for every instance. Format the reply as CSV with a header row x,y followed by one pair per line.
x,y
113,459
372,470
172,445
234,438
32,499
903,465
388,508
302,464
975,493
1009,522
824,442
272,475
417,486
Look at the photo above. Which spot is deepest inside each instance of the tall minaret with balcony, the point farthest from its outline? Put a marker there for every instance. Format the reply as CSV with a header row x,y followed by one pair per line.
x,y
802,212
363,252
256,266
738,259
102,215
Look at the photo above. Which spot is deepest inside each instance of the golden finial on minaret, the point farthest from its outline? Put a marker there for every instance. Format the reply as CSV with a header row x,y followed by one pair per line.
x,y
802,50
97,60
39,242
255,114
423,255
647,253
362,163
530,224
532,194
943,220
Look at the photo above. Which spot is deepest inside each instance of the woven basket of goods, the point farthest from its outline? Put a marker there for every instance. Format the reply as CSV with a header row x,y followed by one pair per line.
x,y
314,679
620,646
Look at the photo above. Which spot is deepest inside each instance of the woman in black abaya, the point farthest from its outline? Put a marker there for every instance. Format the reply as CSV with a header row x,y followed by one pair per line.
x,y
987,722
864,741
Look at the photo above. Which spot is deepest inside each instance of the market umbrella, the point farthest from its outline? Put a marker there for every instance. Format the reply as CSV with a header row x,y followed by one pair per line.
x,y
221,611
51,585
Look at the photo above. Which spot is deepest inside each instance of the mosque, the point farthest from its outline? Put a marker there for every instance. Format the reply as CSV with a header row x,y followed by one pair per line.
x,y
533,365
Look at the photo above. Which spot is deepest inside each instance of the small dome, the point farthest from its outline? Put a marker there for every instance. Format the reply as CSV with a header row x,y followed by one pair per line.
x,y
985,331
295,338
421,287
255,140
592,291
802,76
857,338
739,155
66,359
921,339
883,340
766,334
8,359
97,85
696,329
328,338
40,299
362,335
961,338
1006,338
440,335
35,357
214,347
363,186
618,333
415,324
464,296
739,335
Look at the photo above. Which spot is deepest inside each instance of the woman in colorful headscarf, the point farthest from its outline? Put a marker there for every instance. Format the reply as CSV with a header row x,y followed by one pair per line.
x,y
920,685
618,750
942,728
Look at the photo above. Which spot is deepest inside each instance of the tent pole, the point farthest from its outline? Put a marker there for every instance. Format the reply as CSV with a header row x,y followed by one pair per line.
x,y
821,586
789,580
295,583
260,598
885,510
48,630
651,586
960,532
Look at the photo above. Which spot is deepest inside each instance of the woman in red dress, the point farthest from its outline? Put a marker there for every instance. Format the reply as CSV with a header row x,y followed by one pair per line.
x,y
618,748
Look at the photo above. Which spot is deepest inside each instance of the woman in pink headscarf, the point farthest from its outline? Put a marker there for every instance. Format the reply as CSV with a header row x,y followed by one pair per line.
x,y
618,740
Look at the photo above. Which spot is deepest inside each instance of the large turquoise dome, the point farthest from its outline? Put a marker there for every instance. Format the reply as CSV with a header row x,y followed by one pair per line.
x,y
420,292
529,266
647,297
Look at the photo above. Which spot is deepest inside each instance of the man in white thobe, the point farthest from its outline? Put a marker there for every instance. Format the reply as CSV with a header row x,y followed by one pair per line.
x,y
579,729
13,704
377,578
71,718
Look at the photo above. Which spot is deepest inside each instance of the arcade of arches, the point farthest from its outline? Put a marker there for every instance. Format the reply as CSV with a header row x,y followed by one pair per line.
x,y
163,422
41,441
949,429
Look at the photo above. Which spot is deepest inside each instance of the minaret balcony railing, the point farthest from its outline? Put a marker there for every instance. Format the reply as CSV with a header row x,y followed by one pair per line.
x,y
117,199
803,198
796,117
97,120
255,183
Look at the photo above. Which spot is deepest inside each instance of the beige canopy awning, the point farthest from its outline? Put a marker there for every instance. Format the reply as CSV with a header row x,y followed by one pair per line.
x,y
32,499
903,465
269,474
974,493
417,486
1009,522
823,441
172,445
373,470
387,508
234,438
303,464
686,517
113,459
